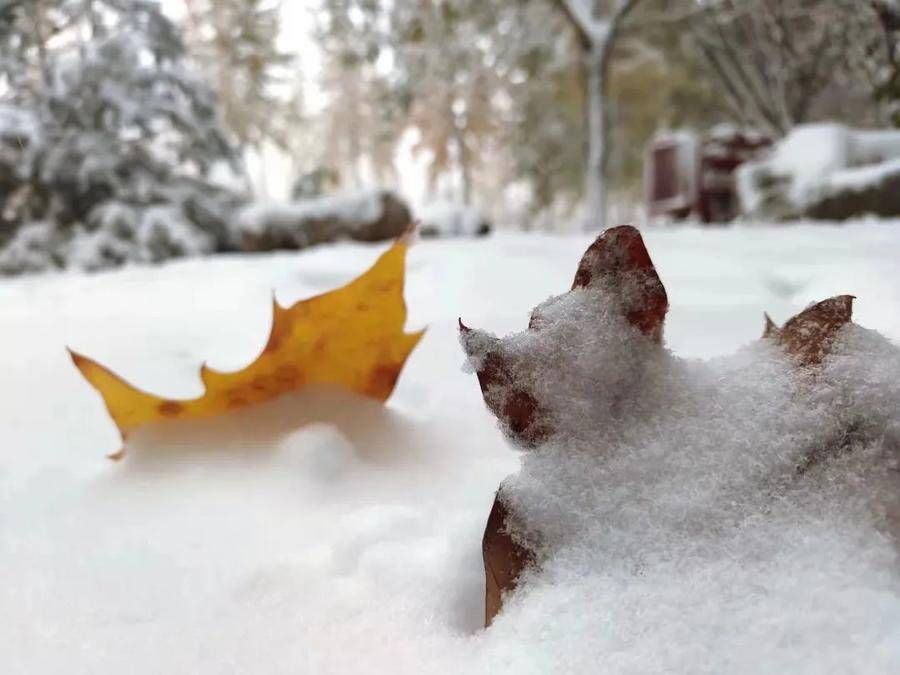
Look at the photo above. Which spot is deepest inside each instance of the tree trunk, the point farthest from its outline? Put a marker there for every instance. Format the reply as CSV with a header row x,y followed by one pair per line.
x,y
41,37
464,162
596,35
594,186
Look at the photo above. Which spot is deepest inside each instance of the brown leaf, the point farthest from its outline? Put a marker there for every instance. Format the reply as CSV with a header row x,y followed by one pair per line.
x,y
504,559
620,262
808,336
618,258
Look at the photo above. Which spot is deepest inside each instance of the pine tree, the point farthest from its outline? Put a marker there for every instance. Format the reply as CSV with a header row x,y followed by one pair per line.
x,y
124,138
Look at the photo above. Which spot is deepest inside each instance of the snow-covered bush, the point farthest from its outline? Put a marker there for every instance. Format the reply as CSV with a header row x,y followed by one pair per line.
x,y
34,247
827,171
112,124
445,219
117,233
369,215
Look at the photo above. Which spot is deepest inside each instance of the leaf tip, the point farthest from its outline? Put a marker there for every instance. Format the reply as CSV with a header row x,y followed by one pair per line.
x,y
407,236
277,307
771,329
84,364
117,455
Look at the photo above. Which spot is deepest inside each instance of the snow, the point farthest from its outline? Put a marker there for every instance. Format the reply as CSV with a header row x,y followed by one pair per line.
x,y
817,160
285,218
117,233
803,158
448,219
114,151
30,249
326,534
662,471
16,123
860,178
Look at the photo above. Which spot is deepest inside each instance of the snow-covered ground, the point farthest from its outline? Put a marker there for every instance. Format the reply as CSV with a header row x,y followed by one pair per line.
x,y
352,543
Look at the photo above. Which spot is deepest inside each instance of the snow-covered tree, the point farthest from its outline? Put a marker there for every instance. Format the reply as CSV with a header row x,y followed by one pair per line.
x,y
597,24
122,139
544,84
514,92
361,119
876,50
448,57
774,60
236,43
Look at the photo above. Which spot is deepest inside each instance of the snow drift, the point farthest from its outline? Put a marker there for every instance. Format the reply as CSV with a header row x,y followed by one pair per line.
x,y
826,171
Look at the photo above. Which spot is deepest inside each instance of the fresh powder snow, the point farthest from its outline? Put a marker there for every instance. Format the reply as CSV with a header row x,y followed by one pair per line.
x,y
328,534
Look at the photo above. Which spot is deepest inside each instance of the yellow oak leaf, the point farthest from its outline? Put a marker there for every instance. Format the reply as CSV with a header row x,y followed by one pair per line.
x,y
351,337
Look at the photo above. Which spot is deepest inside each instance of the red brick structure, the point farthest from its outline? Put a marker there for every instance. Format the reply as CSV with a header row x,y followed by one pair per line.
x,y
686,175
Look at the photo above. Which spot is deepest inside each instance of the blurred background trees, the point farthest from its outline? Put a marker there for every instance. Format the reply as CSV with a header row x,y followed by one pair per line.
x,y
523,109
110,144
780,64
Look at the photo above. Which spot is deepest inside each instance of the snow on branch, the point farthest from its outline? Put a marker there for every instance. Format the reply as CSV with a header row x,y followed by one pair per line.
x,y
594,28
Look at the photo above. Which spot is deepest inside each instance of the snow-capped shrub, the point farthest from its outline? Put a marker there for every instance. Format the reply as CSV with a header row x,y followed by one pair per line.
x,y
113,234
33,248
165,233
827,171
369,215
96,250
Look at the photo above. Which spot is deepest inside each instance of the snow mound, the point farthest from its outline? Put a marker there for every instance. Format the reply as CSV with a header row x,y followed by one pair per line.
x,y
369,215
669,485
817,162
352,207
